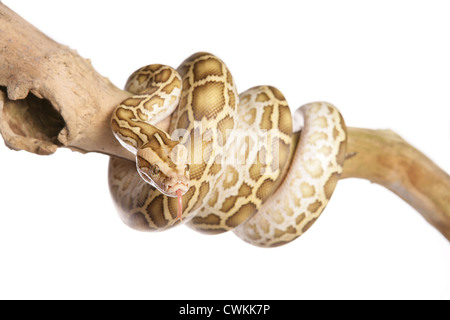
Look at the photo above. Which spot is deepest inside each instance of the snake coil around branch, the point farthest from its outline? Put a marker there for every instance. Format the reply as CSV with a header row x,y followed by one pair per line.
x,y
50,97
231,159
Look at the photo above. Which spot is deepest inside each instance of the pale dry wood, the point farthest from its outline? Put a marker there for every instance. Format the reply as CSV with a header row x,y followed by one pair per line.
x,y
50,97
383,157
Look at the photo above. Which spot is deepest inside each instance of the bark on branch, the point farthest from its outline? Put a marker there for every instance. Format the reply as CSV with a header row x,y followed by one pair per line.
x,y
50,97
383,157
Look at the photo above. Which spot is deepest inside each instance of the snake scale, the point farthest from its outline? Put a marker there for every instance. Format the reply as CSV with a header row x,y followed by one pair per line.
x,y
228,161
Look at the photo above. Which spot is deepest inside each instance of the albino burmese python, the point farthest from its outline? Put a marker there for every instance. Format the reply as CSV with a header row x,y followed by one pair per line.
x,y
228,162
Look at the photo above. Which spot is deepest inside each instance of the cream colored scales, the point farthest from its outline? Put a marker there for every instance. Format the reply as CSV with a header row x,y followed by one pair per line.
x,y
234,158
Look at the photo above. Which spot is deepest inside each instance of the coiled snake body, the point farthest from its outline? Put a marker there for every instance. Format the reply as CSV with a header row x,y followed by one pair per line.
x,y
235,159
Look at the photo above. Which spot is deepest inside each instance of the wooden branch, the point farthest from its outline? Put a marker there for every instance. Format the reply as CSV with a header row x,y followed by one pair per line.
x,y
50,97
383,157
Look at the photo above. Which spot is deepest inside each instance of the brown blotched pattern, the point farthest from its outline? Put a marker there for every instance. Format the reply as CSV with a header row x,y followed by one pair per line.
x,y
207,106
314,170
251,175
248,171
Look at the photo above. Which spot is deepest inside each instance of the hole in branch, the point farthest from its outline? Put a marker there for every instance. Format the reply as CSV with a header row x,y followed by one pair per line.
x,y
32,117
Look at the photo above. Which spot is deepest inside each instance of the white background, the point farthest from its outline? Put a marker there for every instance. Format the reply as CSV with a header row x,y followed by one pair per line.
x,y
385,64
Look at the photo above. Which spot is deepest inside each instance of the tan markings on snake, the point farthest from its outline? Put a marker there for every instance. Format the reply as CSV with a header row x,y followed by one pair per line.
x,y
233,157
204,106
312,174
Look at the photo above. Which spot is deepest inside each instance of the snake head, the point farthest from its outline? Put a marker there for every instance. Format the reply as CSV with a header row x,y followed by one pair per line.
x,y
164,171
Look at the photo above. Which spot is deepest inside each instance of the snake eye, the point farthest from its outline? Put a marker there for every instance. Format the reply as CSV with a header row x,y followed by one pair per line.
x,y
155,170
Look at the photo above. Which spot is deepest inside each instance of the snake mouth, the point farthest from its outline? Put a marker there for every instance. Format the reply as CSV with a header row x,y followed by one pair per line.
x,y
175,189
